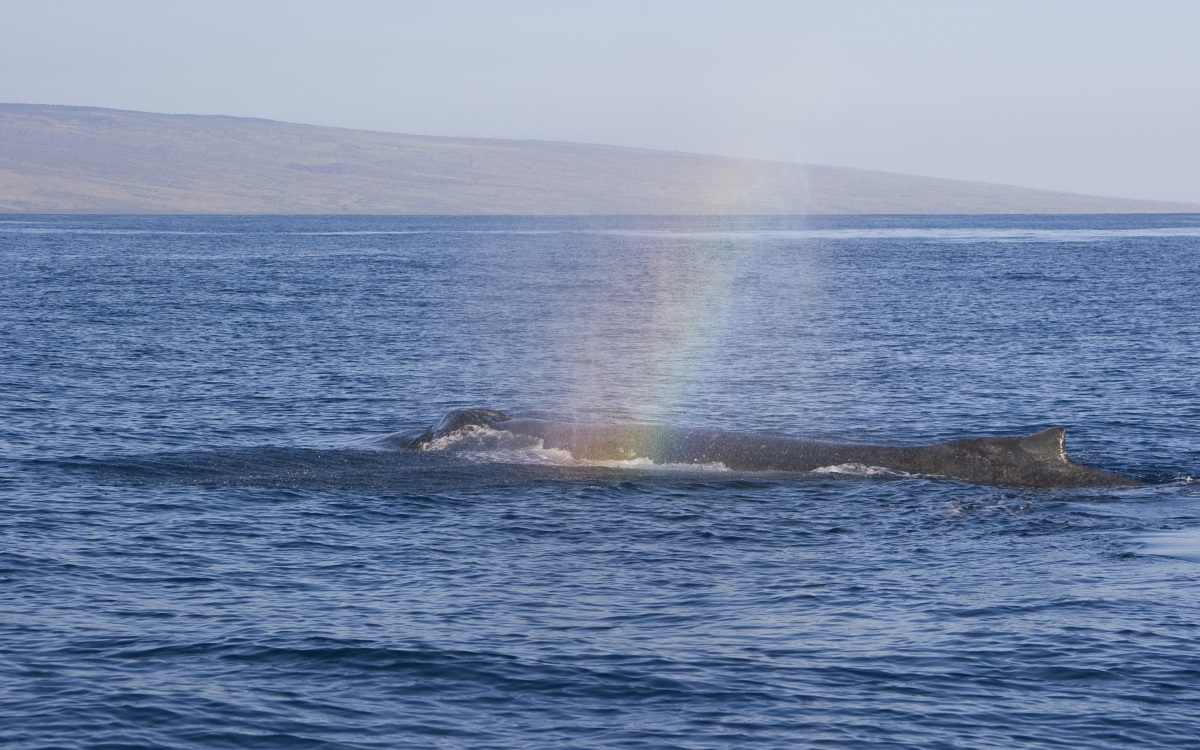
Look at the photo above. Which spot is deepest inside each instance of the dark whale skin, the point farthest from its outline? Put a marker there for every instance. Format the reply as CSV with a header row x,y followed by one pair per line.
x,y
1036,460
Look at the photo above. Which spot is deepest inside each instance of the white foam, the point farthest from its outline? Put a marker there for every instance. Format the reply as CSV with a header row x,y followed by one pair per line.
x,y
645,464
489,445
471,436
859,470
537,454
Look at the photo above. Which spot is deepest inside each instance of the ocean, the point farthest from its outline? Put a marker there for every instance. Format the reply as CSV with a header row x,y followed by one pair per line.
x,y
207,541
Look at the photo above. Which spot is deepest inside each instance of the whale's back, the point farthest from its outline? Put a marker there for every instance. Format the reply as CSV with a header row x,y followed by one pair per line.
x,y
1036,460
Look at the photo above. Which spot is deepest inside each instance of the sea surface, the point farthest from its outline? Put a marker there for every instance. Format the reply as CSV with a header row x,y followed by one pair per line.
x,y
205,541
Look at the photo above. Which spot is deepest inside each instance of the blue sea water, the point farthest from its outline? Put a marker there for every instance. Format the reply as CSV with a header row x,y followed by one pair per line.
x,y
204,542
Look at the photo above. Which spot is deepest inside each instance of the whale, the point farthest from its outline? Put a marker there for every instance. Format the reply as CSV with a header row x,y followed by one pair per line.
x,y
1038,460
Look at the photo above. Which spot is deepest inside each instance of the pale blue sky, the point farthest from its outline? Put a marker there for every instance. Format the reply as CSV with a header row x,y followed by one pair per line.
x,y
1096,97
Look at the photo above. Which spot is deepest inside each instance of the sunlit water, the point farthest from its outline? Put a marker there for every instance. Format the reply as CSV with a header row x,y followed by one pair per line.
x,y
204,545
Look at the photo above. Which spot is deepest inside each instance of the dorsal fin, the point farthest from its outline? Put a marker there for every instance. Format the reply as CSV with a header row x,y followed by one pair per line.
x,y
1049,443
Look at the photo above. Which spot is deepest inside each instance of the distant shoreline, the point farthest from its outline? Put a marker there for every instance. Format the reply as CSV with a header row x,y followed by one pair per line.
x,y
7,215
58,159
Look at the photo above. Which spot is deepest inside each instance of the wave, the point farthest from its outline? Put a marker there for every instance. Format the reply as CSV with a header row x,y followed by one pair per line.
x,y
1183,544
371,471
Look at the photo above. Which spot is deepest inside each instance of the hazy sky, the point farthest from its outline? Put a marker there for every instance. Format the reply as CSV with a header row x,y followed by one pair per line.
x,y
1095,97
